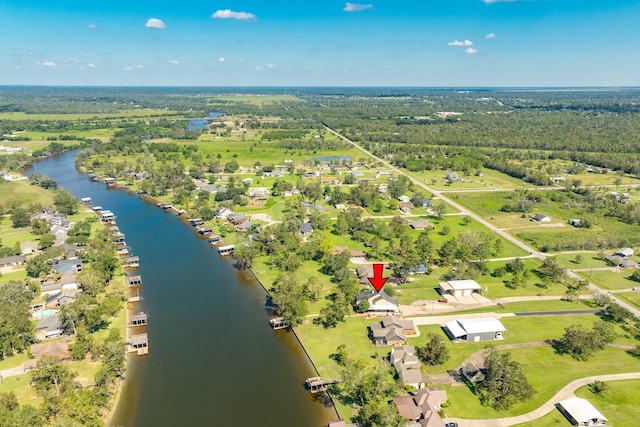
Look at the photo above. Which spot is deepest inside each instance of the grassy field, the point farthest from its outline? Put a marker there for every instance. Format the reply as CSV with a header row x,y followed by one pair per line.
x,y
539,363
24,193
620,404
609,279
489,180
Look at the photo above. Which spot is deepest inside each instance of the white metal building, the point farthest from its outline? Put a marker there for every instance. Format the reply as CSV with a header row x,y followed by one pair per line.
x,y
480,329
460,288
581,412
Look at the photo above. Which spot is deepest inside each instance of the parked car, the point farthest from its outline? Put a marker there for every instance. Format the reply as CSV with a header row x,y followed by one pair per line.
x,y
451,425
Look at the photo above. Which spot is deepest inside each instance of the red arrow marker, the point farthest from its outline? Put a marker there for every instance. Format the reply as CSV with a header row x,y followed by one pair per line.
x,y
377,280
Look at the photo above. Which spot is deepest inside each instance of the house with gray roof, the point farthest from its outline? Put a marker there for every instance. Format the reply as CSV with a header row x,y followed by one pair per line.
x,y
306,229
423,407
407,365
11,261
379,302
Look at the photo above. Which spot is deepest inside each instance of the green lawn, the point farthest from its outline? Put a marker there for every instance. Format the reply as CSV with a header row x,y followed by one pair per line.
x,y
20,386
14,276
609,280
24,193
547,372
528,306
589,260
620,404
630,297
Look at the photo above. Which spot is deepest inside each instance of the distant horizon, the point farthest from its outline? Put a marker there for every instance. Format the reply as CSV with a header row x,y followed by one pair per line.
x,y
458,88
329,43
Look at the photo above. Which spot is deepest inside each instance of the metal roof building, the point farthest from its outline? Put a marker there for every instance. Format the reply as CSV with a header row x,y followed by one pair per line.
x,y
480,329
581,412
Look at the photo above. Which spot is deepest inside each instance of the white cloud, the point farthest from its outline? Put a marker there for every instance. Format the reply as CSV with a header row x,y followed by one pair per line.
x,y
92,26
49,64
260,68
459,43
155,23
498,1
470,51
71,59
490,36
92,66
128,68
356,7
174,61
221,59
229,14
270,66
138,67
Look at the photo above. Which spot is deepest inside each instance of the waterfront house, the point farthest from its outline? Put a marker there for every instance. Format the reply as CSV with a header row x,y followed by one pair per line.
x,y
474,330
423,407
244,227
379,302
237,219
406,365
74,265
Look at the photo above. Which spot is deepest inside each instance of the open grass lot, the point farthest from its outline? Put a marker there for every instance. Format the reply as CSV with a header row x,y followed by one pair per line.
x,y
621,406
489,180
38,144
249,151
20,386
589,260
13,276
609,279
547,372
13,361
24,193
632,298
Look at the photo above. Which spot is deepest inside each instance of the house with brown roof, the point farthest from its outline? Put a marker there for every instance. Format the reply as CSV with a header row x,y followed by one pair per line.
x,y
423,407
421,224
407,365
406,207
391,331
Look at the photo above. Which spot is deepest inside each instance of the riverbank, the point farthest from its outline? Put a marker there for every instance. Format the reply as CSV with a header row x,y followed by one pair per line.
x,y
306,352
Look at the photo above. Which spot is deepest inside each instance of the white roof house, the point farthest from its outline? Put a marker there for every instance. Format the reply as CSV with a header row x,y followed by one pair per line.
x,y
581,412
460,288
479,329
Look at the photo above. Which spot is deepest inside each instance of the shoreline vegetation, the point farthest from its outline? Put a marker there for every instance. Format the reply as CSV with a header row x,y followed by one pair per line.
x,y
306,211
85,347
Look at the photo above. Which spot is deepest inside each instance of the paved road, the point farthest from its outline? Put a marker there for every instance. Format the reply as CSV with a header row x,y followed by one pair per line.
x,y
551,313
565,393
465,211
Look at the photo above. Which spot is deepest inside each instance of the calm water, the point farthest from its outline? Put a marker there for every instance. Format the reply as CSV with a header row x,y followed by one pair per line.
x,y
214,361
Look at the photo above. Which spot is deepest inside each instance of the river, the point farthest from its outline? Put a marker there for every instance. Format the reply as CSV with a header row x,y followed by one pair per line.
x,y
213,358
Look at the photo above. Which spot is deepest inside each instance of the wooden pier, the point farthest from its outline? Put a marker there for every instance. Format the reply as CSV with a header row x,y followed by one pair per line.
x,y
318,384
278,323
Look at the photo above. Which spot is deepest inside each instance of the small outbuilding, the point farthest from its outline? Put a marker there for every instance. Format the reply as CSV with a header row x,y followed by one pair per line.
x,y
475,330
541,218
624,252
580,412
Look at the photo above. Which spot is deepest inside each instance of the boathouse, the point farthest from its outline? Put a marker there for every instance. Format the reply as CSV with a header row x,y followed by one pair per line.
x,y
134,280
131,262
226,250
85,200
139,319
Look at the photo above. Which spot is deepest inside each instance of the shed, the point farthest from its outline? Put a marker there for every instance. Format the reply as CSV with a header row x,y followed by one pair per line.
x,y
459,288
580,412
478,329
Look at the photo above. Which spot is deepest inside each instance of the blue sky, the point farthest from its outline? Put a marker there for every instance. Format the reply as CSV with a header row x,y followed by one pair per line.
x,y
320,43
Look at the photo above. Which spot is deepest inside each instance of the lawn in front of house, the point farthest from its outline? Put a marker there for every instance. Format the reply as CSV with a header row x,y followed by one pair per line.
x,y
547,372
610,279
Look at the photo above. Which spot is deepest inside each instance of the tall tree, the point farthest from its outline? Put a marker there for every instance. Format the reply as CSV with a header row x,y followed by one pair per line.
x,y
16,329
288,297
505,383
434,352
